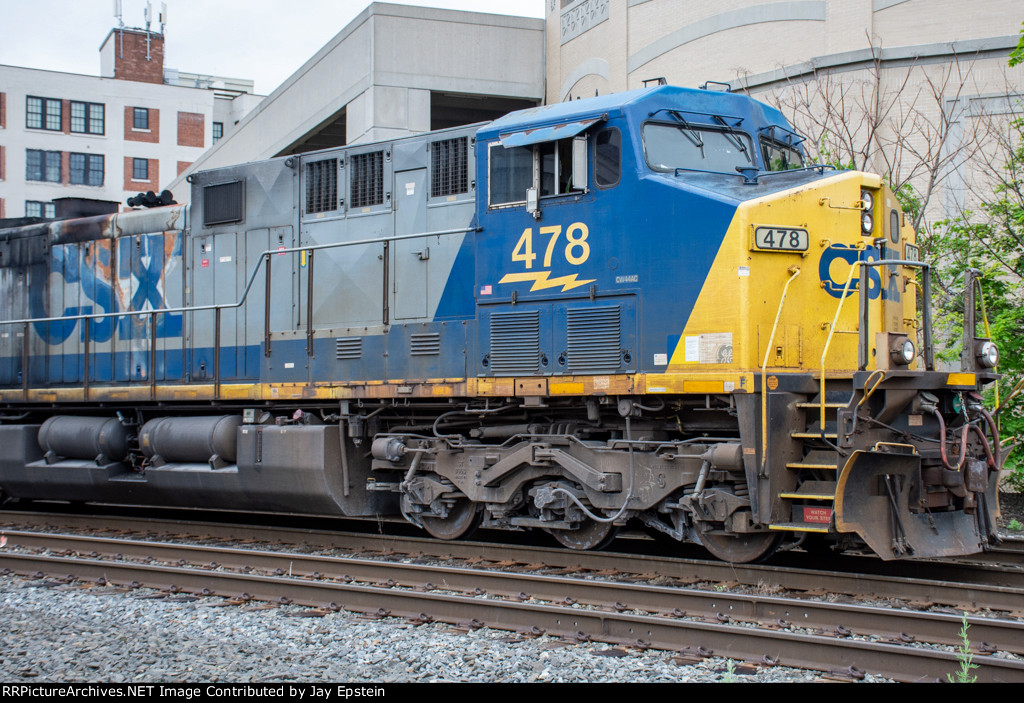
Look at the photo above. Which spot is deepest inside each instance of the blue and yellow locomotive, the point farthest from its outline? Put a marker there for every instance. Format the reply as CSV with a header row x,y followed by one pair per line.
x,y
638,307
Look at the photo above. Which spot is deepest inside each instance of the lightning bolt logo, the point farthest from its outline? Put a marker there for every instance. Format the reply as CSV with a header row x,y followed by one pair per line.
x,y
542,280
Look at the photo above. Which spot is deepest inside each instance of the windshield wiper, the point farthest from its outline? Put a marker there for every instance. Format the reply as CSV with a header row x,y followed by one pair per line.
x,y
735,140
689,132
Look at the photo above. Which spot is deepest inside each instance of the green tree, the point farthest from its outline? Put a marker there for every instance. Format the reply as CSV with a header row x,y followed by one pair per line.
x,y
990,238
1017,55
924,129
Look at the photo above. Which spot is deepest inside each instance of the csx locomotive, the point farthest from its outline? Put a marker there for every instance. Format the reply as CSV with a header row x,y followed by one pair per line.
x,y
642,307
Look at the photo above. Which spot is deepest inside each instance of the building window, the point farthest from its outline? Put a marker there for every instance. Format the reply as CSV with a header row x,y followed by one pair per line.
x,y
140,169
34,208
218,131
87,118
141,118
87,169
42,165
42,113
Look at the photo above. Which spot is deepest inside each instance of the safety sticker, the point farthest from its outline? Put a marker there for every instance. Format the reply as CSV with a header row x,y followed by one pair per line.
x,y
693,349
713,348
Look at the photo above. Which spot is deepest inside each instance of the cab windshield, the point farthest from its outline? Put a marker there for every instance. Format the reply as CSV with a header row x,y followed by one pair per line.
x,y
780,157
671,146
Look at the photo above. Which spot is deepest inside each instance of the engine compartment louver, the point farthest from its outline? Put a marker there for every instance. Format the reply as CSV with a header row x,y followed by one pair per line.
x,y
515,342
426,344
223,203
348,348
594,339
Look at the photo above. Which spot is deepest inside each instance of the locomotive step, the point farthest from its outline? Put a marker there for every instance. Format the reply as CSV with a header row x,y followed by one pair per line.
x,y
817,460
813,490
799,527
813,435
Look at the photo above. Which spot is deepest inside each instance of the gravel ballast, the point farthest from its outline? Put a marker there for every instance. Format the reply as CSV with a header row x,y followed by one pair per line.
x,y
88,633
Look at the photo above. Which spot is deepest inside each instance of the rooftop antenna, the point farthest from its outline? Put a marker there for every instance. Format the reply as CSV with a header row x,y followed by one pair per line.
x,y
163,16
118,13
149,19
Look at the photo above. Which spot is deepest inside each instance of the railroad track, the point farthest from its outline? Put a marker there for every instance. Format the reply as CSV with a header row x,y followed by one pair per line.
x,y
962,585
795,632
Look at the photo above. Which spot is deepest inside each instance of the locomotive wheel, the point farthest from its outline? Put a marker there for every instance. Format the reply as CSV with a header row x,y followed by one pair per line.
x,y
739,549
462,521
589,535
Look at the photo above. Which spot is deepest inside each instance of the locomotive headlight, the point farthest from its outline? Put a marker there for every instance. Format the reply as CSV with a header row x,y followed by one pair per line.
x,y
987,354
867,221
902,350
868,200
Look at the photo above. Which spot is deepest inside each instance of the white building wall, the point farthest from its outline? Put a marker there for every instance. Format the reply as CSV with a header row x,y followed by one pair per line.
x,y
896,51
16,138
381,69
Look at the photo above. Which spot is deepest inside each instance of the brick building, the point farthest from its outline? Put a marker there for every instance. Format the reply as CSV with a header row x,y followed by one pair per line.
x,y
107,137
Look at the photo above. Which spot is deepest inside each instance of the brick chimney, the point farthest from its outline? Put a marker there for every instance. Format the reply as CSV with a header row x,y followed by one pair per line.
x,y
133,55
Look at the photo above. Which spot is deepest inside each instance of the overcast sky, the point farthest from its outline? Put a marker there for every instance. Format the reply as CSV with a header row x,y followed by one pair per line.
x,y
264,40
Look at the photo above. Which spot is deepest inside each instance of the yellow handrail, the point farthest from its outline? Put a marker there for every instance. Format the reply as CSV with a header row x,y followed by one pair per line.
x,y
868,392
824,352
794,271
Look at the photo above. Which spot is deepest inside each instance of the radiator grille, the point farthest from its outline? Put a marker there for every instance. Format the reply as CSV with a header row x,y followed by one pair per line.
x,y
515,342
366,172
594,338
222,203
322,186
426,344
448,167
348,348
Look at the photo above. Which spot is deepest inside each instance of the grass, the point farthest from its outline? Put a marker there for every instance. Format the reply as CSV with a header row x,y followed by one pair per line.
x,y
965,656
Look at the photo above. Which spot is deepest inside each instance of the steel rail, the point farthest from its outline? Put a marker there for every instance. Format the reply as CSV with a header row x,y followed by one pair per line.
x,y
900,662
765,610
970,592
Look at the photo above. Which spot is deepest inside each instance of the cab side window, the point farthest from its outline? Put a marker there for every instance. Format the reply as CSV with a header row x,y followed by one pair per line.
x,y
547,166
511,174
556,177
607,157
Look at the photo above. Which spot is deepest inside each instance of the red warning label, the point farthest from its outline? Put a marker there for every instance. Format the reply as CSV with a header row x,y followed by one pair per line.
x,y
817,515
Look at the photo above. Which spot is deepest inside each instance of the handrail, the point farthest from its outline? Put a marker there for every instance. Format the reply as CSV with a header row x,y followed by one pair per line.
x,y
926,306
864,327
264,256
227,306
828,341
794,271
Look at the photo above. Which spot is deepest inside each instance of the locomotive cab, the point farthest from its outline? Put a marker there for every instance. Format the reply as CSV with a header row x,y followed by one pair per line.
x,y
732,288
